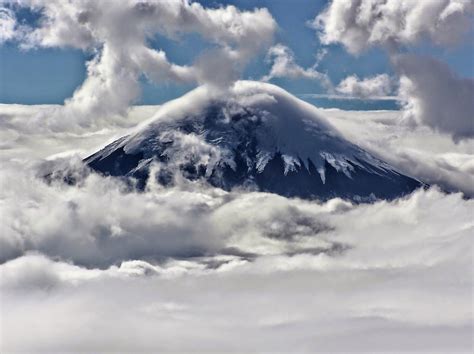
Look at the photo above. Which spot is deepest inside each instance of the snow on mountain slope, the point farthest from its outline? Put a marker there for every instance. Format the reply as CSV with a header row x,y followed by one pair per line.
x,y
257,136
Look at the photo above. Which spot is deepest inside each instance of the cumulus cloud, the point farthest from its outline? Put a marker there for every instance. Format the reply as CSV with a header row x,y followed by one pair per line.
x,y
118,32
432,95
360,24
284,65
435,96
372,87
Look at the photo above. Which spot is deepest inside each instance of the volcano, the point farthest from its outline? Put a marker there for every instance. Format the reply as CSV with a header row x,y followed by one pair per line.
x,y
256,136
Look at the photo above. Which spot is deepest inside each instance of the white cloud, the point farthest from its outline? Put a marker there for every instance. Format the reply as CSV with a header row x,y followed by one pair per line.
x,y
284,65
117,32
415,150
432,94
371,87
435,96
7,25
23,138
195,268
360,24
99,223
404,260
75,225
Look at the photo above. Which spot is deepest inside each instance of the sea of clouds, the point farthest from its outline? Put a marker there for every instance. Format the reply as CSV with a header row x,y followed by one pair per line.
x,y
97,267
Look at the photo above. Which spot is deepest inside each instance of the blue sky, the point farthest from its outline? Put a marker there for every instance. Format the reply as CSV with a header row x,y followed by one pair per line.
x,y
45,76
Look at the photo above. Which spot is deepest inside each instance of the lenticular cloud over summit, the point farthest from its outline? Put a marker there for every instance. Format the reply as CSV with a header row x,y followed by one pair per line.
x,y
236,217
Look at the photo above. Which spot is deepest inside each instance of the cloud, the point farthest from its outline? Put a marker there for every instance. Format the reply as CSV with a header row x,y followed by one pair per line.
x,y
76,230
117,33
435,96
190,220
190,264
372,87
284,65
432,95
194,268
360,24
406,258
7,25
415,150
25,139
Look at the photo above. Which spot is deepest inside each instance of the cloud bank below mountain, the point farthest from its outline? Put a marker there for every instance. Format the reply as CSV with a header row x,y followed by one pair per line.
x,y
195,268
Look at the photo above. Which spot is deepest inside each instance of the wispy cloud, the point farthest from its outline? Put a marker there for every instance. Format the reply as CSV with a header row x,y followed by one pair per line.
x,y
349,97
284,66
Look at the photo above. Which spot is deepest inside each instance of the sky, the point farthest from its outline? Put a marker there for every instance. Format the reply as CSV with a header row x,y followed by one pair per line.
x,y
98,266
50,75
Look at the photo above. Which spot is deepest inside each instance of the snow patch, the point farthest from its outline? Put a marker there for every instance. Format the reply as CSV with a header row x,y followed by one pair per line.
x,y
263,157
291,163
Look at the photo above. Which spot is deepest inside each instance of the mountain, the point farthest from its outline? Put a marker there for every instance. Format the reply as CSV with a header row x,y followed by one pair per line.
x,y
255,136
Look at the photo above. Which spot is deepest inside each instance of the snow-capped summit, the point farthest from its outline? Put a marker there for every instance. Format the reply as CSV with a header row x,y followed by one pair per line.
x,y
256,135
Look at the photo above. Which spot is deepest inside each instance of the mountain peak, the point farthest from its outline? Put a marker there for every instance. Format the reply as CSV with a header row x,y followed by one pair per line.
x,y
255,135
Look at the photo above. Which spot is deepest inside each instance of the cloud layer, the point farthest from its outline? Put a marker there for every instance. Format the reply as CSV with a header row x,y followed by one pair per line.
x,y
401,262
195,268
